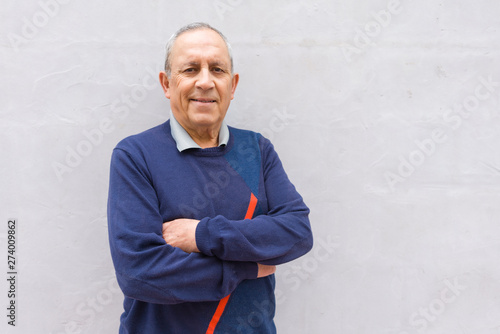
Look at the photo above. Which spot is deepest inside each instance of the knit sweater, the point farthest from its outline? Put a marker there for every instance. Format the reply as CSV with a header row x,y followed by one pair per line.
x,y
249,213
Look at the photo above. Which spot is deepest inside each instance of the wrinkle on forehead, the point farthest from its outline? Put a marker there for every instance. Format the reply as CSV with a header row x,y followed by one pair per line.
x,y
201,43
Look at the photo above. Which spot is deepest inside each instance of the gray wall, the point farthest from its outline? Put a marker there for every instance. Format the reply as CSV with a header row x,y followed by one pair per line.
x,y
385,114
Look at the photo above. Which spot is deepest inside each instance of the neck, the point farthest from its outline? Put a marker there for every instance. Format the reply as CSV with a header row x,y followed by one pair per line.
x,y
206,137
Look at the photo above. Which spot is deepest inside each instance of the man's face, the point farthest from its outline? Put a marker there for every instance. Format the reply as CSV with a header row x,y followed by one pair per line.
x,y
201,85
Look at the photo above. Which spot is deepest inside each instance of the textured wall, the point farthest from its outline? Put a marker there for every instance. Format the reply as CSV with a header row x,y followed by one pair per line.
x,y
385,114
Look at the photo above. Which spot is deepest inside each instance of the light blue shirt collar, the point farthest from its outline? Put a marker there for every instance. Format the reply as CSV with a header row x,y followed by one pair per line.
x,y
184,140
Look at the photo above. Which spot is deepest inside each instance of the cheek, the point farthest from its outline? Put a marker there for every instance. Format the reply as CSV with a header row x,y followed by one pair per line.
x,y
179,85
225,91
185,89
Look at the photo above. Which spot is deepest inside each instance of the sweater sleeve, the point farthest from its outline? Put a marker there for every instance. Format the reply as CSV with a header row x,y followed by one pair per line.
x,y
281,235
147,268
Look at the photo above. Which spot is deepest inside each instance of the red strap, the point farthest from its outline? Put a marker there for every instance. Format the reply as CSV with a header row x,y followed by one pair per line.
x,y
251,207
223,301
217,315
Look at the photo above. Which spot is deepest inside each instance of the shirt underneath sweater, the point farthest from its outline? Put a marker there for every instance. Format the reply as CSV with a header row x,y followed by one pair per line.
x,y
249,213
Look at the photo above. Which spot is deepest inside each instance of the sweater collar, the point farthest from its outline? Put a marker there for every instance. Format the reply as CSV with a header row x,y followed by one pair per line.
x,y
184,141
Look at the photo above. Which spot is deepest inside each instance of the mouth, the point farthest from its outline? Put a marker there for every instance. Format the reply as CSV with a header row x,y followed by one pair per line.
x,y
203,100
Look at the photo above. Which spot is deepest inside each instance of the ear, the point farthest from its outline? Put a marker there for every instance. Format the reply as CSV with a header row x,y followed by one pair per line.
x,y
235,79
165,84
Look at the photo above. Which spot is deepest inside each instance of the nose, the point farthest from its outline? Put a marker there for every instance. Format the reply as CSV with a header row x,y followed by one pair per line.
x,y
205,80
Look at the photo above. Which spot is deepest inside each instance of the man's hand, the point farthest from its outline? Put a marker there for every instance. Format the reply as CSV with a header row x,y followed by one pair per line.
x,y
181,233
265,270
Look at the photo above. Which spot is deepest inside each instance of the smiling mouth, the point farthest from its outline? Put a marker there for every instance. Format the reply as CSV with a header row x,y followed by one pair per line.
x,y
203,100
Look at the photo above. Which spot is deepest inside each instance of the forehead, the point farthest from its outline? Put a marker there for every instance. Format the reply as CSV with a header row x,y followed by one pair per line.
x,y
198,45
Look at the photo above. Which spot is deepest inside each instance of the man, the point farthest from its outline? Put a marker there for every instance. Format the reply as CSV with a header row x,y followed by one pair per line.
x,y
200,213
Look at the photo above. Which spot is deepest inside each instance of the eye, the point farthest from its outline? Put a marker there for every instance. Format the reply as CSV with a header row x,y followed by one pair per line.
x,y
189,70
218,70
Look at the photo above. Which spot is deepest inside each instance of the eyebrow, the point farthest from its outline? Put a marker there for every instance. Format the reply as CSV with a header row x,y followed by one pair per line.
x,y
191,63
213,63
218,63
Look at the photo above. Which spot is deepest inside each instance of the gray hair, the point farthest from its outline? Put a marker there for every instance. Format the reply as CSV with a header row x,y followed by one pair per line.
x,y
191,27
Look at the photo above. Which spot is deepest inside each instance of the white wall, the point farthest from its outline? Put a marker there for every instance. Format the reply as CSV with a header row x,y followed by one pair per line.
x,y
390,131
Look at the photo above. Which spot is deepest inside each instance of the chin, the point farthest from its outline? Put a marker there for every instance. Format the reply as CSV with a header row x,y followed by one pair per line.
x,y
205,119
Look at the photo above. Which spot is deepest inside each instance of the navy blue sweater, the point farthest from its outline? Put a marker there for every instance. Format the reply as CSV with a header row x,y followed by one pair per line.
x,y
249,213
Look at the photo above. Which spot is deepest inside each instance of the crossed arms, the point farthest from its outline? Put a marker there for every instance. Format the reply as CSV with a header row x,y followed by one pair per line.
x,y
184,260
181,233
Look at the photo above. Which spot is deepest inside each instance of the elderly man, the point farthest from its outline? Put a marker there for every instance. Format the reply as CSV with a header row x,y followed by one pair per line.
x,y
200,213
